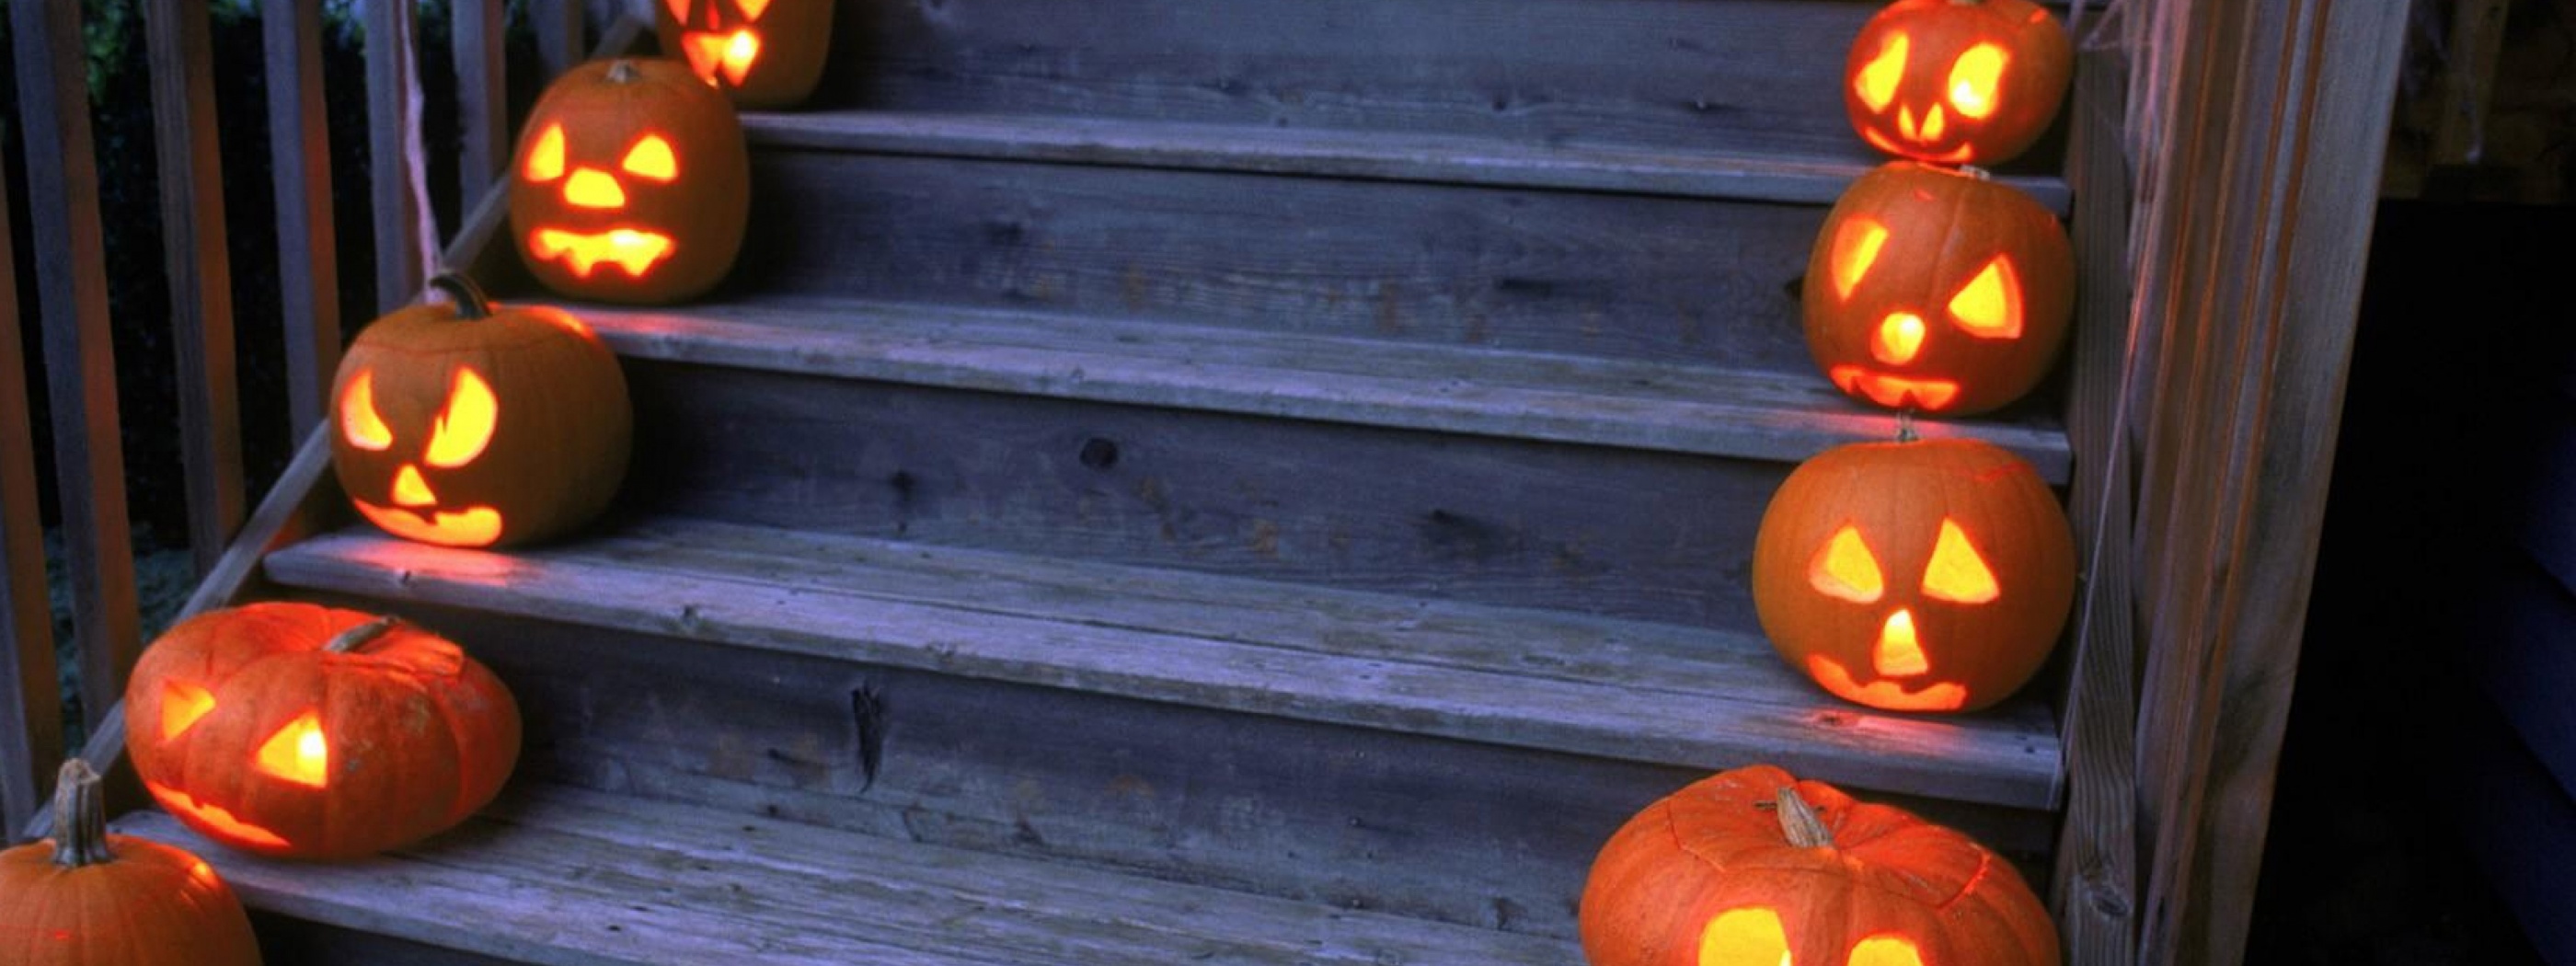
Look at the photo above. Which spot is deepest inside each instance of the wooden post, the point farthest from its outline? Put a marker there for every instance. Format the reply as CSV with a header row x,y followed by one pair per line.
x,y
31,712
308,259
2095,895
389,118
80,356
559,26
2259,181
482,107
201,297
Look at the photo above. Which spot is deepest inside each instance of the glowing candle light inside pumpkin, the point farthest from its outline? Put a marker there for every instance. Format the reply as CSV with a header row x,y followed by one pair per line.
x,y
298,753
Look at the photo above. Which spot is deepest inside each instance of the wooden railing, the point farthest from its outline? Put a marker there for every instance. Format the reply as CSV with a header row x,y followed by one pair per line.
x,y
49,60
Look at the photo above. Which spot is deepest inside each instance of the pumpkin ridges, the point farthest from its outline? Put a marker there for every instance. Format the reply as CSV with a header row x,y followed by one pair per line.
x,y
705,210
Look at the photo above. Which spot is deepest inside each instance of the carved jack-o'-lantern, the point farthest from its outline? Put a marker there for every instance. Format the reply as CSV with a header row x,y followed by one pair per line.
x,y
1753,868
312,732
1957,81
1928,575
469,425
1937,289
765,53
631,184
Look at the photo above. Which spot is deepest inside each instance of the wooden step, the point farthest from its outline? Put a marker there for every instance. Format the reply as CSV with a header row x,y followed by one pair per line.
x,y
1529,679
1398,155
564,877
1663,406
1652,72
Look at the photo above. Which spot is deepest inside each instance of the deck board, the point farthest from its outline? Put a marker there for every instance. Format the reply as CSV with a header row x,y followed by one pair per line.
x,y
562,877
1679,697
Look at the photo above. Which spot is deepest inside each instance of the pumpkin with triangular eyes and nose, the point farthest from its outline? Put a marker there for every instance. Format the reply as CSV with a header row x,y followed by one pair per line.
x,y
631,184
310,732
467,424
1752,867
1918,575
1957,81
765,53
1937,290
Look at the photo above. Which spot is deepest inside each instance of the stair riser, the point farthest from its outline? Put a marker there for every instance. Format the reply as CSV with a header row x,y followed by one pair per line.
x,y
287,940
1455,831
1513,522
1594,274
1690,74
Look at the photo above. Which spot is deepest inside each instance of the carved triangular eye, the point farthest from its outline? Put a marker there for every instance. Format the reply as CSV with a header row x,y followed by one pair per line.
x,y
359,422
298,753
1975,78
1856,247
182,705
546,157
751,9
1958,573
651,158
466,425
1845,568
1744,937
1876,82
679,9
1886,951
1989,306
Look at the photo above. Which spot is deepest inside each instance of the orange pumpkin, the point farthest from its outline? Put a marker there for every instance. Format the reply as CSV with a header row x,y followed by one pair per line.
x,y
1957,81
631,184
1937,290
312,732
87,898
1753,868
765,53
472,425
1929,575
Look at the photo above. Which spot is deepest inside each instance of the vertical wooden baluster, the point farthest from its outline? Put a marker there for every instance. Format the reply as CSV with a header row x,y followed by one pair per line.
x,y
80,356
397,213
31,711
201,298
482,107
559,32
308,258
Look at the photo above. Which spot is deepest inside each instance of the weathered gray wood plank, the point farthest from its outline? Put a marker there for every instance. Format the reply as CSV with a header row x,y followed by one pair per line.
x,y
1434,828
1387,155
31,714
308,248
570,877
201,298
1697,75
482,94
559,26
2096,871
1671,279
1663,406
389,116
2003,759
80,354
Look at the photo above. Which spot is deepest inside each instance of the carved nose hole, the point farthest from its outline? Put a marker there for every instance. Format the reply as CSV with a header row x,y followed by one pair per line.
x,y
1099,454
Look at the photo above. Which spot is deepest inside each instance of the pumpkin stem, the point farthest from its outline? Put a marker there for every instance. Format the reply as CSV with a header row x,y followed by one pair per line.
x,y
80,817
1978,173
623,72
470,301
1905,427
359,636
1799,821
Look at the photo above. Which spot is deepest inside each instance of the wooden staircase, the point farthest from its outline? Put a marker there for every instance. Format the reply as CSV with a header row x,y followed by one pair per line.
x,y
1229,481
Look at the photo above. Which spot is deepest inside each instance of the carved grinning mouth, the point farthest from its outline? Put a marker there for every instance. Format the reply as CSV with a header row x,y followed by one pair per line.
x,y
472,527
237,831
1946,696
1895,392
629,249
